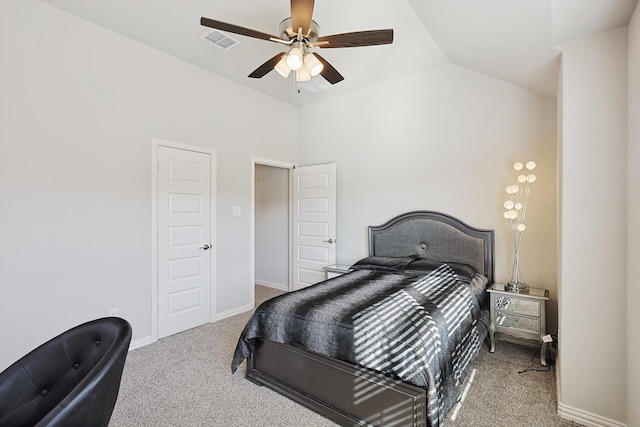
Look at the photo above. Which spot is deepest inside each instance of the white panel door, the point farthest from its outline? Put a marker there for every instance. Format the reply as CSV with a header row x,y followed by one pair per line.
x,y
184,240
314,223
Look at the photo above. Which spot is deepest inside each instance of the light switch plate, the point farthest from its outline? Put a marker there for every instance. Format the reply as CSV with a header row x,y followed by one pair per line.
x,y
236,211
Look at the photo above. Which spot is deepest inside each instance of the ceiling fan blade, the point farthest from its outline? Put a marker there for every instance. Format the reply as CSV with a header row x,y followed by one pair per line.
x,y
235,29
262,70
329,73
357,39
301,13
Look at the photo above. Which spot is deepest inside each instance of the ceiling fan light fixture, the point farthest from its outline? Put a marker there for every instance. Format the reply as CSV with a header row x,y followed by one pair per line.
x,y
302,74
294,58
282,68
313,64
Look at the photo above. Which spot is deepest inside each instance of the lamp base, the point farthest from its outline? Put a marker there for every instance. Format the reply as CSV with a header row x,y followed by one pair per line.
x,y
516,287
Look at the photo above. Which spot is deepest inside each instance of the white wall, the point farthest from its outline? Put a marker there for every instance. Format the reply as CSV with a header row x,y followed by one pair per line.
x,y
633,227
445,140
593,230
272,226
78,109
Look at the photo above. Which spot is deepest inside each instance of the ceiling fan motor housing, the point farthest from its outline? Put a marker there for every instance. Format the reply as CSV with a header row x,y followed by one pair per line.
x,y
287,32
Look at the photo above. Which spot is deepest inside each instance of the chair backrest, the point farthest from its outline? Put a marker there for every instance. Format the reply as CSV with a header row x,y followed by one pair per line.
x,y
73,379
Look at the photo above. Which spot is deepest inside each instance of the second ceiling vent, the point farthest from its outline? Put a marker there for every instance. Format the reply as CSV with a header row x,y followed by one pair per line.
x,y
219,39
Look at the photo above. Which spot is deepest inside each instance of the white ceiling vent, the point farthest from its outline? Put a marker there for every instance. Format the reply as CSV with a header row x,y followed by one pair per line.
x,y
219,39
315,85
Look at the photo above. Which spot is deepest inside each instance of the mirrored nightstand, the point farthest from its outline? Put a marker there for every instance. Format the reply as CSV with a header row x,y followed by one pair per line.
x,y
335,270
520,315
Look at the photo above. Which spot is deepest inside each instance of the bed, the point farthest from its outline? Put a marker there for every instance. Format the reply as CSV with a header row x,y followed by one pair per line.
x,y
388,343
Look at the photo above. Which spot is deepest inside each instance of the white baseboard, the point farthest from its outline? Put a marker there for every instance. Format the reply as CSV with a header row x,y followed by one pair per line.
x,y
233,312
140,342
278,286
586,418
144,341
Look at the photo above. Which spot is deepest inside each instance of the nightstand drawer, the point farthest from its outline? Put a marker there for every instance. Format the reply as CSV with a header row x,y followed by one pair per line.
x,y
513,321
518,306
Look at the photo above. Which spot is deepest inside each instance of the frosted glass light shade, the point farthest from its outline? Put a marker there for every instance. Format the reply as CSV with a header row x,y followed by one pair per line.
x,y
521,227
531,178
508,205
531,165
282,68
294,59
522,178
517,166
302,74
313,64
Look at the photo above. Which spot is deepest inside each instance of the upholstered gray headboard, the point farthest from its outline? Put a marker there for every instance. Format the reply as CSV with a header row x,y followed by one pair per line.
x,y
436,236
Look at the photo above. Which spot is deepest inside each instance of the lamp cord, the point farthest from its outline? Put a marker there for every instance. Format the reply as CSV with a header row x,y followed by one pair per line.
x,y
530,368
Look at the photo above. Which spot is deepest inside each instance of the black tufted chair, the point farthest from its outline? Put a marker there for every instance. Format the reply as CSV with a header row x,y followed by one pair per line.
x,y
71,380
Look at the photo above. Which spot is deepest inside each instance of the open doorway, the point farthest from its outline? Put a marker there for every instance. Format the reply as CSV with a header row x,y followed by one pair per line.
x,y
272,225
275,188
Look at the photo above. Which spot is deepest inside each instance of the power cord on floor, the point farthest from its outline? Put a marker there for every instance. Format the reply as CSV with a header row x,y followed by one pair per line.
x,y
530,368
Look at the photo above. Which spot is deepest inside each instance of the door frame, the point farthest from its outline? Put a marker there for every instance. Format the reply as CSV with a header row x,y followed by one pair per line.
x,y
155,144
252,211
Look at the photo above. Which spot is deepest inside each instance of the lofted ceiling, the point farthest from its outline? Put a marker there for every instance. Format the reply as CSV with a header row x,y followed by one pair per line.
x,y
514,40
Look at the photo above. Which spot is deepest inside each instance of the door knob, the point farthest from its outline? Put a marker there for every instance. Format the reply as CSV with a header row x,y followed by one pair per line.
x,y
329,241
205,247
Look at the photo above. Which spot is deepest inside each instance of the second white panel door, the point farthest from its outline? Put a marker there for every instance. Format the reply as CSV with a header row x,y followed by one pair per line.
x,y
314,223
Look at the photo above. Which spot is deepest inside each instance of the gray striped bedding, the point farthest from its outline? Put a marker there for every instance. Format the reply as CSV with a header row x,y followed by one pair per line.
x,y
424,330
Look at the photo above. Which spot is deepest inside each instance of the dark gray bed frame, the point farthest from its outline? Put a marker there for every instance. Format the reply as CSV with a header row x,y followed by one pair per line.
x,y
351,395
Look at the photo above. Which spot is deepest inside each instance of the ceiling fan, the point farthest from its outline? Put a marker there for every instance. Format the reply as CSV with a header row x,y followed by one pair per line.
x,y
300,33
